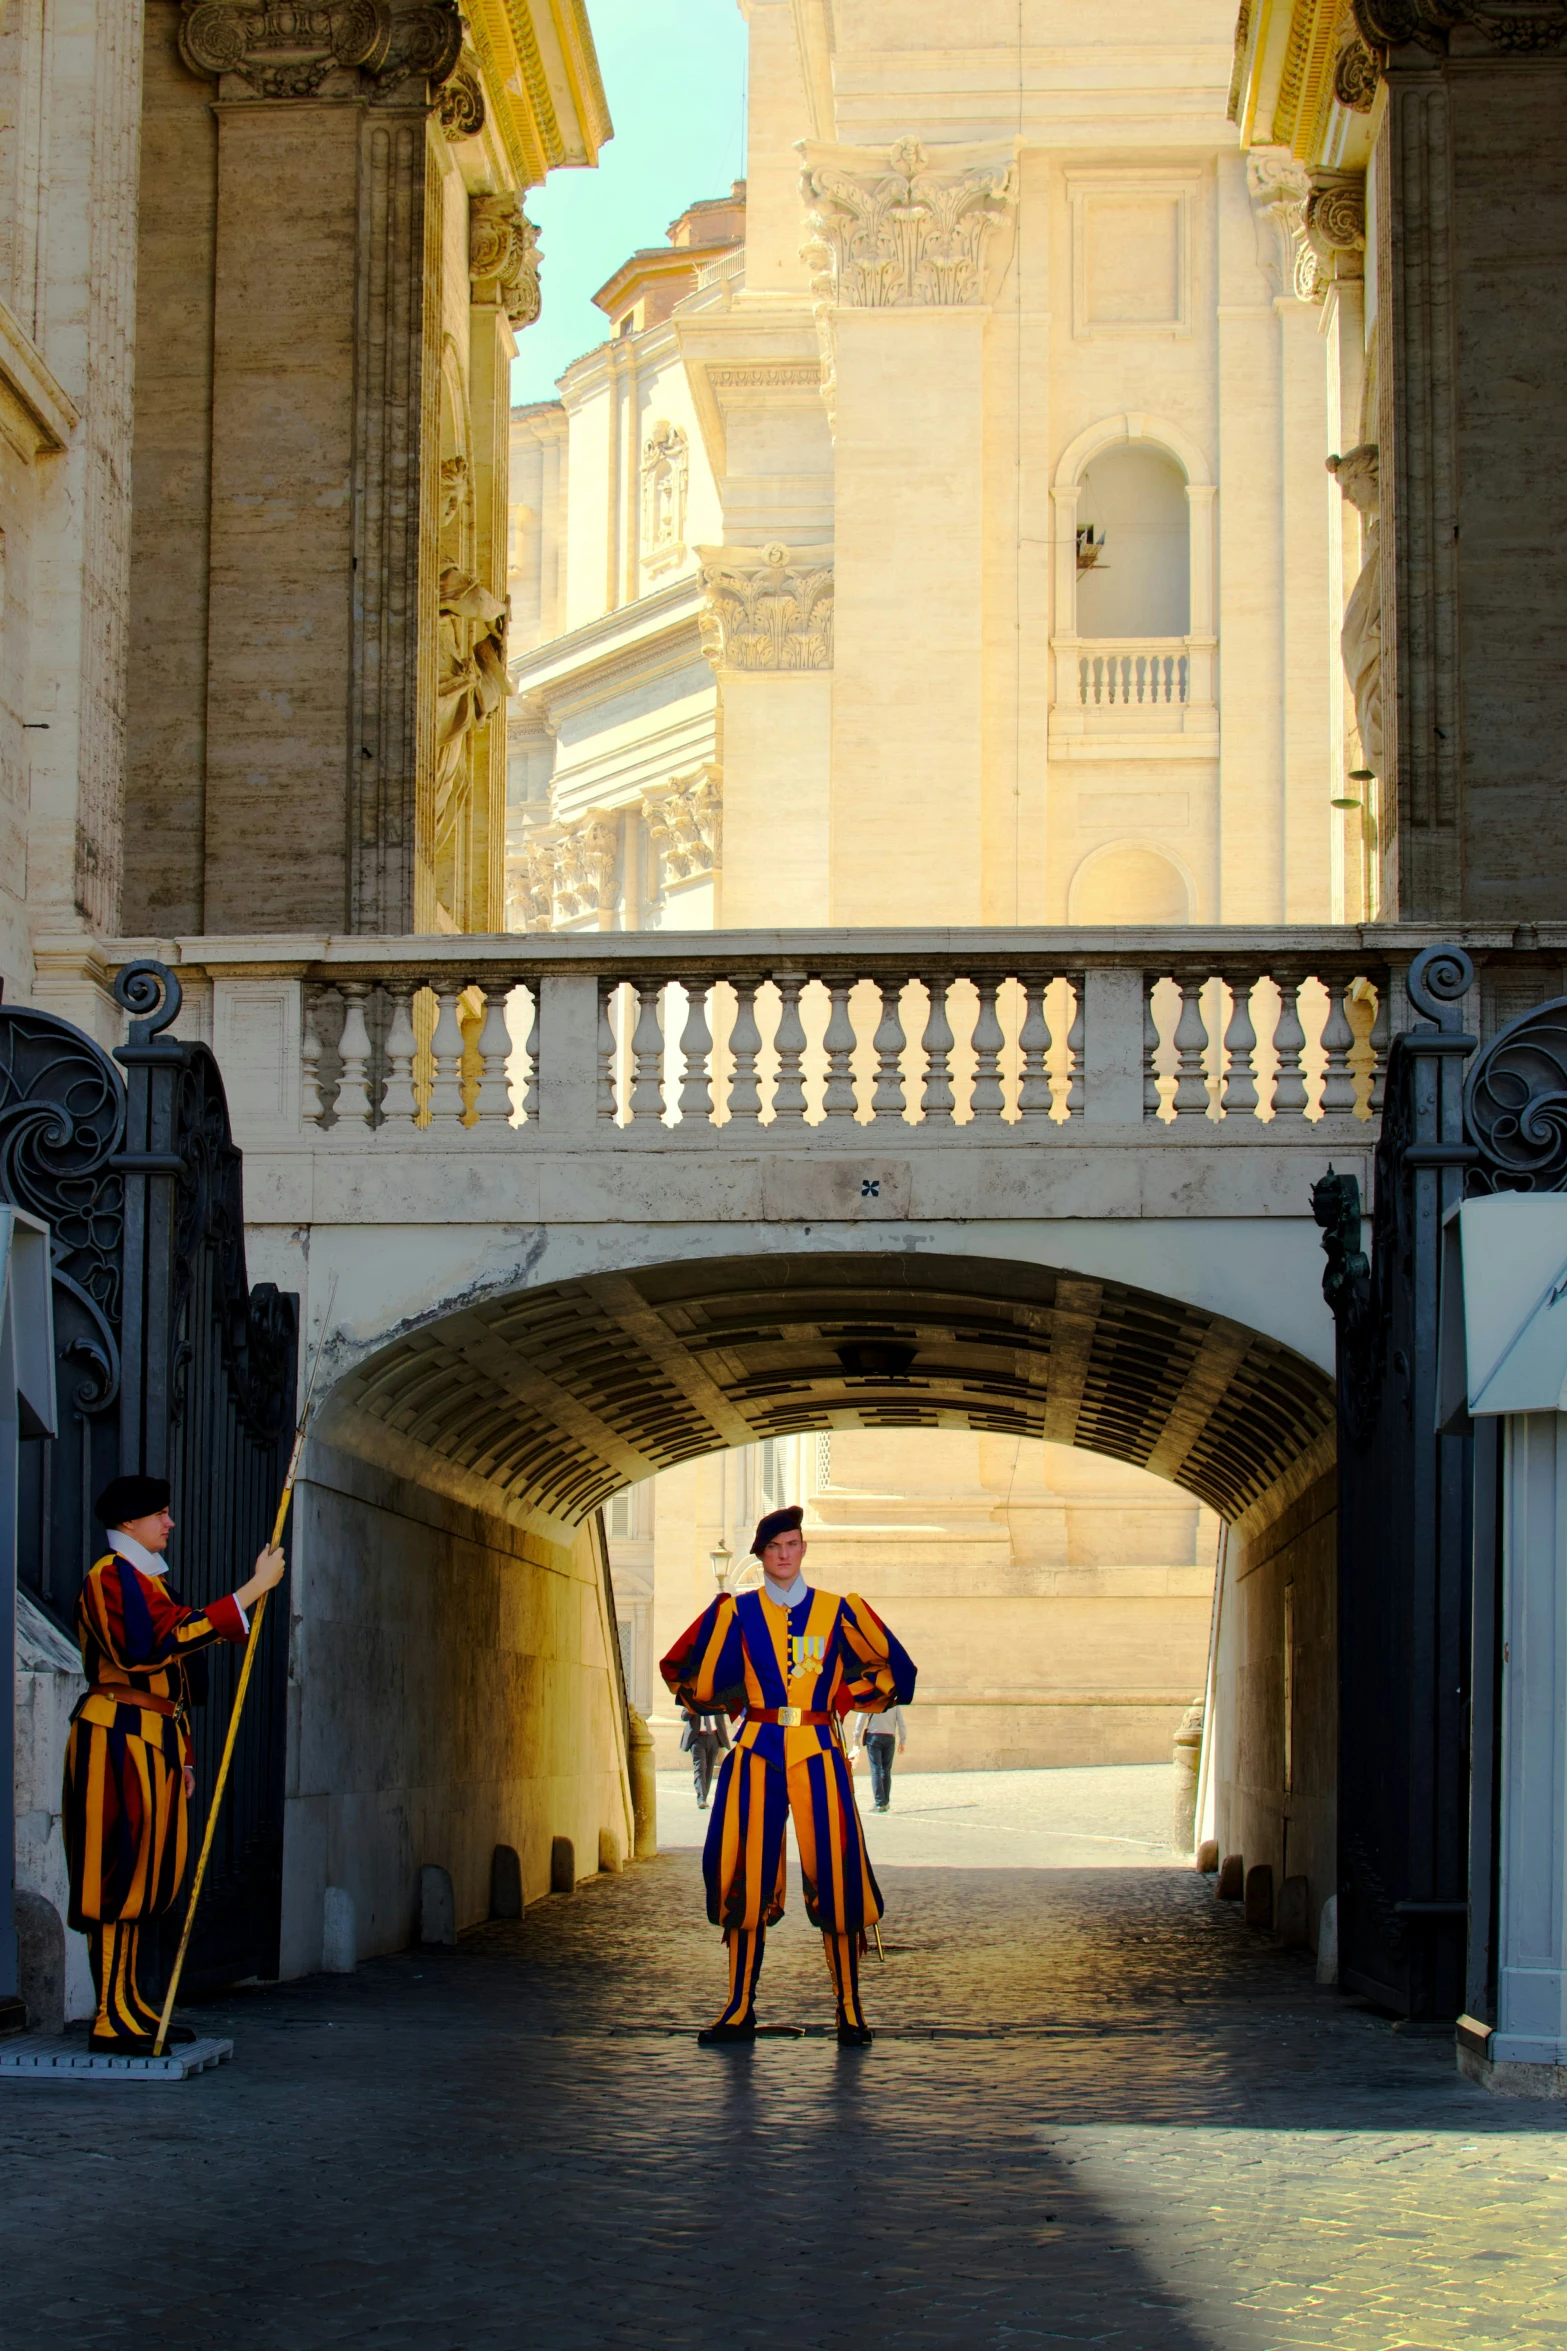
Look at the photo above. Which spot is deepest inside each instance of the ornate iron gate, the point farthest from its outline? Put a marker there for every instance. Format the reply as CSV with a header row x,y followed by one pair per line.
x,y
1404,1598
166,1360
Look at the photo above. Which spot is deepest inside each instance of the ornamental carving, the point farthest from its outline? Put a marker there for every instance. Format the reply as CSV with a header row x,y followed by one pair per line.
x,y
1357,473
530,886
462,102
586,856
289,48
907,229
1355,76
685,826
665,475
767,607
1334,222
1280,190
503,257
1519,27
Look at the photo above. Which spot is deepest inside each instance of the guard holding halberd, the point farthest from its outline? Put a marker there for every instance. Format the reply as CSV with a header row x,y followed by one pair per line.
x,y
796,1661
128,1771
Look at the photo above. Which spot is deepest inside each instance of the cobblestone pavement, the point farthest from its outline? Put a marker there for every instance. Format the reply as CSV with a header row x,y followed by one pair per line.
x,y
1099,2112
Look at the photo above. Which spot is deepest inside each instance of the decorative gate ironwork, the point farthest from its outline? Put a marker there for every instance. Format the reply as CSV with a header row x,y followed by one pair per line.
x,y
1404,1532
166,1360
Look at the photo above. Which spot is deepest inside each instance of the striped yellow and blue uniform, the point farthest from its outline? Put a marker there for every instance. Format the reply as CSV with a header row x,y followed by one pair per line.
x,y
124,1804
826,1656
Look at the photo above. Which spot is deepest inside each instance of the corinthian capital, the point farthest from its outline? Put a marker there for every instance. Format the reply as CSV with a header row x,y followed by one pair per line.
x,y
910,225
1519,27
300,48
767,607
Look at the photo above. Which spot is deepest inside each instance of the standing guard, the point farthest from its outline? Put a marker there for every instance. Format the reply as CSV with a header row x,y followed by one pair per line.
x,y
796,1661
128,1772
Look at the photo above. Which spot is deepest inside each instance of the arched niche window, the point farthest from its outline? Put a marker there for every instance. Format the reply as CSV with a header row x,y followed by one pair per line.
x,y
1132,506
1134,627
1129,883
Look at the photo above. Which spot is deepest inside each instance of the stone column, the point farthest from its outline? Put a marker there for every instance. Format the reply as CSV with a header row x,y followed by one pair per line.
x,y
1470,207
904,252
768,632
322,264
504,273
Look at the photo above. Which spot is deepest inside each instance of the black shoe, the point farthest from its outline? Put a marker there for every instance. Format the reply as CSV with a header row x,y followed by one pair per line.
x,y
718,2036
854,2036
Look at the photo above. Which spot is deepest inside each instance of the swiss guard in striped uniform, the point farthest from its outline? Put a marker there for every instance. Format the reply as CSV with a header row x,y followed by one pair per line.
x,y
794,1659
128,1772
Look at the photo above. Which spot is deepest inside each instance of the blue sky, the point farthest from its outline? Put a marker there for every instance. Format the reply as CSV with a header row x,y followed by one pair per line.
x,y
674,74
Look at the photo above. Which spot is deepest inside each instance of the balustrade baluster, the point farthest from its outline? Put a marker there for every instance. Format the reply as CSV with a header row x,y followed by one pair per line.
x,y
529,1104
789,1045
987,1099
745,1043
492,1103
1074,1051
1381,1042
446,1054
1338,1041
891,1043
1033,1044
606,1081
313,1104
1240,1042
400,1110
1289,1038
355,1093
838,1093
937,1042
1191,1043
696,1044
1152,1101
647,1049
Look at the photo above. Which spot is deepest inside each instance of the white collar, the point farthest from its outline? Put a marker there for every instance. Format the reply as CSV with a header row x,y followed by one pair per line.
x,y
150,1562
786,1595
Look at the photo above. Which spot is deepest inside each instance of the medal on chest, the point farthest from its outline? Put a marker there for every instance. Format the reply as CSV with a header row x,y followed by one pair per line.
x,y
807,1653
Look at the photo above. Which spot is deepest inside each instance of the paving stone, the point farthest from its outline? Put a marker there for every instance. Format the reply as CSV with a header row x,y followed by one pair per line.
x,y
1101,2112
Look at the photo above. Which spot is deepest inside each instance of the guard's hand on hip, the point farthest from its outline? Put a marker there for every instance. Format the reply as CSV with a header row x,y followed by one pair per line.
x,y
189,1771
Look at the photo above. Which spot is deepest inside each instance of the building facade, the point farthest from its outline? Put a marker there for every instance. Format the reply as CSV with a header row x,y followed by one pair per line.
x,y
941,533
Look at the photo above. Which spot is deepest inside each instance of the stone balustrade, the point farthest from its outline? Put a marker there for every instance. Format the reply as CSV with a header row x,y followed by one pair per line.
x,y
1145,673
823,1037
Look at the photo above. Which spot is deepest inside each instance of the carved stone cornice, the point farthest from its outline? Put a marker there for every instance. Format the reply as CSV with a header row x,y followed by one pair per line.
x,y
503,257
905,227
1529,28
298,48
767,608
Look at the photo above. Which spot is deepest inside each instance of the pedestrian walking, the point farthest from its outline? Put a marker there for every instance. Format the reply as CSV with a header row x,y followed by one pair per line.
x,y
882,1736
704,1739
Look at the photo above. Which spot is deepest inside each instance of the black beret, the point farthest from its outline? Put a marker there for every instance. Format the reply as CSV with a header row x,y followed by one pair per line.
x,y
131,1497
777,1522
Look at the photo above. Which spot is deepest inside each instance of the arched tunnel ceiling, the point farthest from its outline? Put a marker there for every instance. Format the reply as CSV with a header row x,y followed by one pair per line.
x,y
548,1402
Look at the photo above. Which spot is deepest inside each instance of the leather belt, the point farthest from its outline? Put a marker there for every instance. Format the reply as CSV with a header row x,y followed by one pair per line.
x,y
118,1694
788,1718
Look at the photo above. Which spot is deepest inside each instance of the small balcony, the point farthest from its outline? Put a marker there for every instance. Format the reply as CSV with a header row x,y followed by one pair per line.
x,y
1110,689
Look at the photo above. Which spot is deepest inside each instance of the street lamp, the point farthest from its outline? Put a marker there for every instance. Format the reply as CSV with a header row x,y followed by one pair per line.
x,y
721,1560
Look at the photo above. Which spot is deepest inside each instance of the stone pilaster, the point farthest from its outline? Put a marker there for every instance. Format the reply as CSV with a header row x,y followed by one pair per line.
x,y
1471,216
315,593
908,247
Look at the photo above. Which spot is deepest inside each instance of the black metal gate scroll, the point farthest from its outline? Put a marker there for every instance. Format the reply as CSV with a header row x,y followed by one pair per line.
x,y
1404,1532
167,1360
